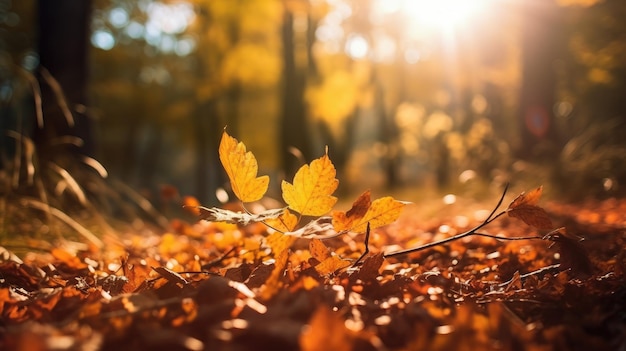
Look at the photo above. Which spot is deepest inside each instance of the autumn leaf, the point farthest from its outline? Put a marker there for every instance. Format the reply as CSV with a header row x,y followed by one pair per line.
x,y
286,222
274,282
318,250
331,265
241,167
381,212
312,188
344,220
525,208
279,242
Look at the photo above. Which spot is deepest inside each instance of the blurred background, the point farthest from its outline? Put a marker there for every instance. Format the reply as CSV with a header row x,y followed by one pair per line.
x,y
407,94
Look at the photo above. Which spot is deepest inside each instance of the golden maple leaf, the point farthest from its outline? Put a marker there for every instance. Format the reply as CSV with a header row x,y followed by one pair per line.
x,y
378,213
312,188
241,167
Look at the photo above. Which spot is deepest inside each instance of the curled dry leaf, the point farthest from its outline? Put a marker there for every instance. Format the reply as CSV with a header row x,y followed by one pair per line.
x,y
241,167
312,188
525,207
215,214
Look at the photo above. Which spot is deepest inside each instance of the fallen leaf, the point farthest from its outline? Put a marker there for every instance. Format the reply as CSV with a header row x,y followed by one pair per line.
x,y
312,188
279,242
381,212
344,220
525,207
241,167
331,265
274,282
318,250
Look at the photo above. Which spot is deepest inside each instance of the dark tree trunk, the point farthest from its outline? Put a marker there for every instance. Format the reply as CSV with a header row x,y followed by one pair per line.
x,y
209,174
294,131
63,45
542,41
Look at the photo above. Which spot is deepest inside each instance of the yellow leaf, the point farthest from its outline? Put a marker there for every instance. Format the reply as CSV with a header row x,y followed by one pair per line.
x,y
279,242
241,167
286,222
312,188
381,212
331,265
274,283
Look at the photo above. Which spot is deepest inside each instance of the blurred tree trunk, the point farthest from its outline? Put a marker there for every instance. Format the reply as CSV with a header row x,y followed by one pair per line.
x,y
294,131
542,41
63,44
209,174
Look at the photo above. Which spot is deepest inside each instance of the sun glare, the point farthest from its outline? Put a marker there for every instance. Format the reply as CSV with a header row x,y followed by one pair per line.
x,y
444,14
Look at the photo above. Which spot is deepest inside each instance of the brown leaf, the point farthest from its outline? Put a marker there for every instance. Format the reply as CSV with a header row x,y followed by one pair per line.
x,y
525,199
370,268
318,250
532,215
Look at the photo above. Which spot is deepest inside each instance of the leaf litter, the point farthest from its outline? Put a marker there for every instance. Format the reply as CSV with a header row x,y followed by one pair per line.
x,y
248,281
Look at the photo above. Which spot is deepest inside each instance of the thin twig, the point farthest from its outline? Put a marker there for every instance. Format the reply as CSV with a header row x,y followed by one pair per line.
x,y
492,217
367,245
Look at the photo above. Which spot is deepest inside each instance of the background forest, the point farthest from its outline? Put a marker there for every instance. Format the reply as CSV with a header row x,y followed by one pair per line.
x,y
405,93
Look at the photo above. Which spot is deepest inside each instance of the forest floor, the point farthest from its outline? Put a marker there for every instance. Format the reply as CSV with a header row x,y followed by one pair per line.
x,y
215,286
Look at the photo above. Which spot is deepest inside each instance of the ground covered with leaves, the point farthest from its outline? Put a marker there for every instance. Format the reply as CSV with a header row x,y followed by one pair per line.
x,y
217,286
382,274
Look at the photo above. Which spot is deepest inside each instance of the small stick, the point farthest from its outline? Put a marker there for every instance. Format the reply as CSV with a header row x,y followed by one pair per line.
x,y
474,231
367,245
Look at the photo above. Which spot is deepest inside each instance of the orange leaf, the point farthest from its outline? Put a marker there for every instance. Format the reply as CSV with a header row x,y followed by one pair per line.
x,y
532,198
331,265
286,222
344,220
279,242
274,282
312,188
318,250
241,167
381,212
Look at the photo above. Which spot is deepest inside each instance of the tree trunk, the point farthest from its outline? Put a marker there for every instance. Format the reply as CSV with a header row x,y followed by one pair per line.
x,y
63,45
541,43
294,131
